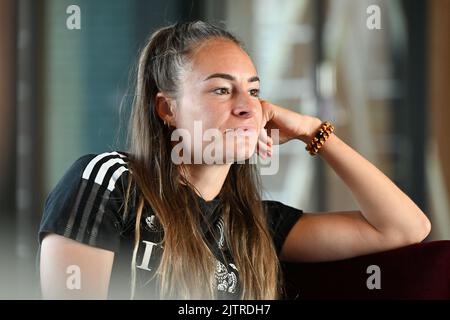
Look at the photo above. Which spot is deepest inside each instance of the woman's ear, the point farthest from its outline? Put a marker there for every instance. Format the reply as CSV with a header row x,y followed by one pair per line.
x,y
164,108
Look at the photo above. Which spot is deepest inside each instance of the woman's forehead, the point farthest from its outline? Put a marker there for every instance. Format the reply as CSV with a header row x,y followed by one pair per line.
x,y
222,56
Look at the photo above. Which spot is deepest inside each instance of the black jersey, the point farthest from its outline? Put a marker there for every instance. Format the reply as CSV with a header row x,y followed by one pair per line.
x,y
87,205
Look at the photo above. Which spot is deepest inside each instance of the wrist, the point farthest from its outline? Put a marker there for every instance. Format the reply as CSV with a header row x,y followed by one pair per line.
x,y
311,125
323,133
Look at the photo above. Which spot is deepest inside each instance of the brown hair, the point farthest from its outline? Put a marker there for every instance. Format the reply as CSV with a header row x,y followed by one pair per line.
x,y
187,266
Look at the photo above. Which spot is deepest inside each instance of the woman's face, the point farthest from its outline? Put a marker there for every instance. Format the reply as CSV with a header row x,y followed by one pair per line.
x,y
219,92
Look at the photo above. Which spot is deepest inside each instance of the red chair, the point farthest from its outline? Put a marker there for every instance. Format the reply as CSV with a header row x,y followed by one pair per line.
x,y
419,271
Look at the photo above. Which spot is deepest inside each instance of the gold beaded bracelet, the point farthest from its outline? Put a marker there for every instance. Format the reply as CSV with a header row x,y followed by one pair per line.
x,y
322,135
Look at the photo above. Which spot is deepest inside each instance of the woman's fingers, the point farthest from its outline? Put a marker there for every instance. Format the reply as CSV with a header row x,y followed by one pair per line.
x,y
269,140
264,145
262,149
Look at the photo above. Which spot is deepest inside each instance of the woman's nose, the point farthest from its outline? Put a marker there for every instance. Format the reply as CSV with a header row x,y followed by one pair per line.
x,y
245,107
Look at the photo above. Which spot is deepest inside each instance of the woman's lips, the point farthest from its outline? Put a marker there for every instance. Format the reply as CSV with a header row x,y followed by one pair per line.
x,y
245,130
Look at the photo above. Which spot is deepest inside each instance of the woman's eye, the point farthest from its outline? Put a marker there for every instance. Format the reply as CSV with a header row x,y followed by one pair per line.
x,y
254,92
221,91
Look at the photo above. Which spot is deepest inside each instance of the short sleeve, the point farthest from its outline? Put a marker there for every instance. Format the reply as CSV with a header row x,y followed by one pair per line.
x,y
86,203
281,218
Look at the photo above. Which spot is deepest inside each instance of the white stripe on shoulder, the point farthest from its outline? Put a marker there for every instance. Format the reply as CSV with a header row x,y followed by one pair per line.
x,y
116,175
105,167
88,170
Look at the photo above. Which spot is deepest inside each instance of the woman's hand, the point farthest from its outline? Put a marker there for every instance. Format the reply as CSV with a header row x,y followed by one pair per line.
x,y
291,125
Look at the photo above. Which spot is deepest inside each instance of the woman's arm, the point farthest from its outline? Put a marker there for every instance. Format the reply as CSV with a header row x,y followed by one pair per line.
x,y
387,218
382,203
72,270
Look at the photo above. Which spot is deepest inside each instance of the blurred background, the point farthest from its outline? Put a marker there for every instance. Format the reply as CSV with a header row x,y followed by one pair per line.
x,y
380,74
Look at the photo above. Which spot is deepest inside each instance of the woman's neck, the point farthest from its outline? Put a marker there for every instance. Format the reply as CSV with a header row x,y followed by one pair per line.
x,y
208,179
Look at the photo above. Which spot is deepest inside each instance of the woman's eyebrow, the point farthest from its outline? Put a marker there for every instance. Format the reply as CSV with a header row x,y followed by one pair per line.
x,y
230,77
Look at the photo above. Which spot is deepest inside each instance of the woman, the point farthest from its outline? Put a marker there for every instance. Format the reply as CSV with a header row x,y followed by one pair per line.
x,y
201,230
